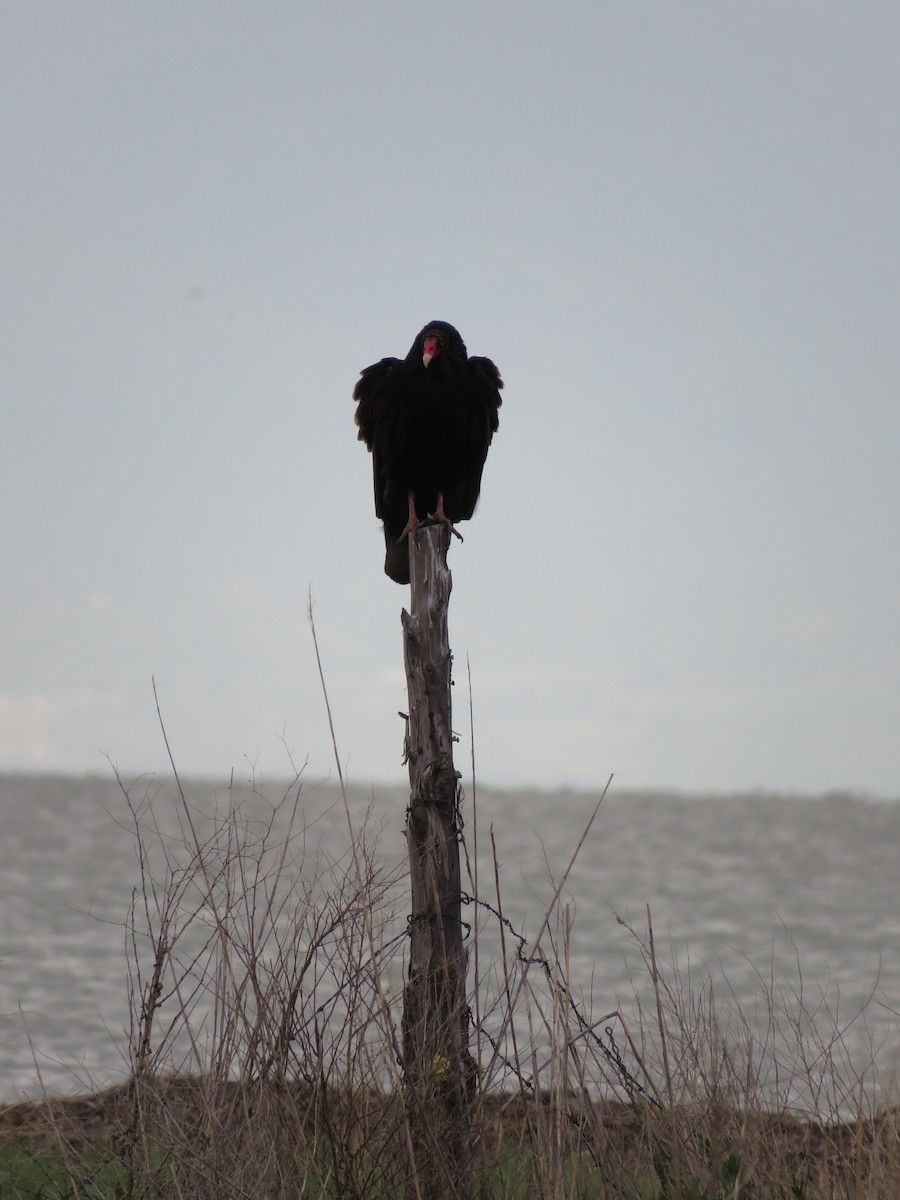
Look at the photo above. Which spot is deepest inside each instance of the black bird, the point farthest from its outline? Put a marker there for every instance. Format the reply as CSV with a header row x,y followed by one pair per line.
x,y
428,420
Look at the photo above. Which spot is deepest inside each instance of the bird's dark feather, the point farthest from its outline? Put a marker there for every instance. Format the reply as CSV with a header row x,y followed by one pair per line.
x,y
429,429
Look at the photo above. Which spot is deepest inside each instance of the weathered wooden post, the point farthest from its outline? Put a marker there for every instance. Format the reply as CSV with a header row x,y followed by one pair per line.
x,y
438,1072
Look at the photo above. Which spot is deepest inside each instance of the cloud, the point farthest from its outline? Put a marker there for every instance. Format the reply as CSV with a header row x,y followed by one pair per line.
x,y
25,729
37,728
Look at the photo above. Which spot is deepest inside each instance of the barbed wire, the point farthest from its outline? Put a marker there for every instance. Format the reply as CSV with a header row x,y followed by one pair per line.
x,y
637,1093
606,1044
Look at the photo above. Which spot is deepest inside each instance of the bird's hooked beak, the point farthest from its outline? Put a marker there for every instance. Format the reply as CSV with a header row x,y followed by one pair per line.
x,y
430,348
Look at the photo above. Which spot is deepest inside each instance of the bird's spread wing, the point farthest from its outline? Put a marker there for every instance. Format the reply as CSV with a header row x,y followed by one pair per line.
x,y
483,396
376,395
373,397
487,383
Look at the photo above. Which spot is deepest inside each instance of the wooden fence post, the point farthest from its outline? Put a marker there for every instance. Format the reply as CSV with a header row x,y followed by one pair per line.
x,y
439,1075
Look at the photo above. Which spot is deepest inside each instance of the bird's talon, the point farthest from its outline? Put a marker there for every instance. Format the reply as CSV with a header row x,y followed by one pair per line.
x,y
442,519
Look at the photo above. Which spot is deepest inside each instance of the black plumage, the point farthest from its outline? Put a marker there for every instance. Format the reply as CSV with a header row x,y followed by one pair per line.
x,y
428,420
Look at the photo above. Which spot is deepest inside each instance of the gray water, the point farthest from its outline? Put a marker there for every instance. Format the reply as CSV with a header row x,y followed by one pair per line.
x,y
751,896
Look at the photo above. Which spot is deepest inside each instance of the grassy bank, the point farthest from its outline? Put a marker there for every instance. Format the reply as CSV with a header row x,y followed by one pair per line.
x,y
182,1136
263,1049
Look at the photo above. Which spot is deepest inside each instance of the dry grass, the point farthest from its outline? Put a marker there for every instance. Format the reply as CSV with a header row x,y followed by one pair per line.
x,y
263,1051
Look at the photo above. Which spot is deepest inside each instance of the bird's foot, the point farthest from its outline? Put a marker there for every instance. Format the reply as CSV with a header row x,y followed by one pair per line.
x,y
441,518
412,523
411,526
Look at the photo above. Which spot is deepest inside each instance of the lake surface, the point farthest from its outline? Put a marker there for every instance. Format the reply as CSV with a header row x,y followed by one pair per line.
x,y
752,898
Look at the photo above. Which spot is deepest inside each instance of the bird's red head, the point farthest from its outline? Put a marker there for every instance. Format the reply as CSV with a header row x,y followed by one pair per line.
x,y
434,341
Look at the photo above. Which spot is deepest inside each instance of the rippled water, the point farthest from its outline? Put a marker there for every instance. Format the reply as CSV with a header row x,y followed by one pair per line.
x,y
757,893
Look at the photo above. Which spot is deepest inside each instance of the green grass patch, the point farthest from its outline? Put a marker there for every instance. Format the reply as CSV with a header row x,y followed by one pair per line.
x,y
30,1173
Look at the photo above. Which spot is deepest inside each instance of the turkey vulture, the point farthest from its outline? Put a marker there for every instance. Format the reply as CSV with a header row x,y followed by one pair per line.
x,y
428,420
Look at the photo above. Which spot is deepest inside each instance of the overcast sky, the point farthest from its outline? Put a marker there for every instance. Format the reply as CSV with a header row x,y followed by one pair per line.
x,y
674,226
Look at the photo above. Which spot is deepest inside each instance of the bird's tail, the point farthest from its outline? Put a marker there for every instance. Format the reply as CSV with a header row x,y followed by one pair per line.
x,y
396,558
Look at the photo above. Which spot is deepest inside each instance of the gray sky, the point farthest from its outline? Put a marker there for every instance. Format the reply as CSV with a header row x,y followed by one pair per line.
x,y
674,226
